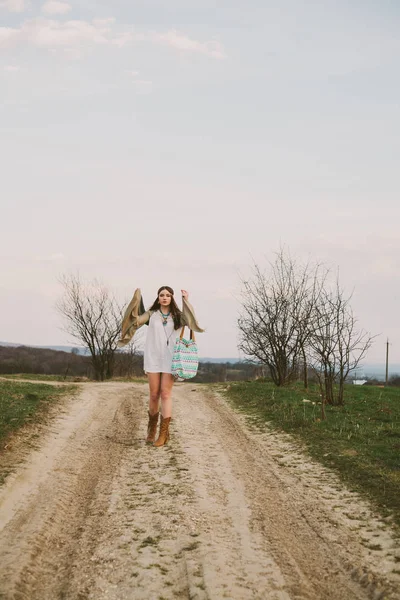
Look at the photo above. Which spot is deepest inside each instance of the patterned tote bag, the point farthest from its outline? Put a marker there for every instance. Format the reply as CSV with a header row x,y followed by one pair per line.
x,y
185,359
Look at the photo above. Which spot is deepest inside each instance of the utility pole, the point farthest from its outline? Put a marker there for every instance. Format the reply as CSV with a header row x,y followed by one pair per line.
x,y
387,362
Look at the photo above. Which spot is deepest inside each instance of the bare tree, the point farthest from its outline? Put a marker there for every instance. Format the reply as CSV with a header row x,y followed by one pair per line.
x,y
277,308
292,320
93,317
308,284
337,345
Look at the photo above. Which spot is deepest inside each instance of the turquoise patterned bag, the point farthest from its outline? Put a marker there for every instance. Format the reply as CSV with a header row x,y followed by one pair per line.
x,y
185,360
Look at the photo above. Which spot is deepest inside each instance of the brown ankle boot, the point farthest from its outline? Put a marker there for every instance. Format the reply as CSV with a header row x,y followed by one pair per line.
x,y
163,436
152,428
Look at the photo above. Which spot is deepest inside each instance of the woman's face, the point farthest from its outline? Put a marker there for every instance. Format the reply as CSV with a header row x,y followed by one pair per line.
x,y
164,298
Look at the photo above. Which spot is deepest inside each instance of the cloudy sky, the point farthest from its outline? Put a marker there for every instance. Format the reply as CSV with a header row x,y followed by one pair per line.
x,y
148,143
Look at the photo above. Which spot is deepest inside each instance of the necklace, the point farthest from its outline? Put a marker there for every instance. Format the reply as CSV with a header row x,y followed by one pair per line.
x,y
164,322
168,337
164,318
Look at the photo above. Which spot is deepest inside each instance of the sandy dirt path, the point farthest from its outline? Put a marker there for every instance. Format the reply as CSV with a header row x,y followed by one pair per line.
x,y
223,511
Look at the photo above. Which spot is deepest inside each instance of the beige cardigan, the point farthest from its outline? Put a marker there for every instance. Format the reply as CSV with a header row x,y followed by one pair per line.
x,y
135,316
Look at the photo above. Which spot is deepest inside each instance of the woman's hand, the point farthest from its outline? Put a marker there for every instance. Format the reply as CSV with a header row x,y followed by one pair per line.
x,y
185,294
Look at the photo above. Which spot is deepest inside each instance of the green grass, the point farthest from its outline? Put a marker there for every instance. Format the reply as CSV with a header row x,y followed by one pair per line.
x,y
70,378
22,403
41,377
361,440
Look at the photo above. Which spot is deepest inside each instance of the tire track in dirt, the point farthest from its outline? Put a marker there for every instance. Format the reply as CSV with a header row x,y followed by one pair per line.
x,y
43,508
317,556
140,548
95,514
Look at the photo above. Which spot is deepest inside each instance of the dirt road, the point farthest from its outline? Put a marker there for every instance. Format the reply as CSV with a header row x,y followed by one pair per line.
x,y
223,511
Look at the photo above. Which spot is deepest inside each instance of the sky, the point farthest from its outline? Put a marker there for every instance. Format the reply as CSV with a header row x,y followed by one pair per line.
x,y
155,143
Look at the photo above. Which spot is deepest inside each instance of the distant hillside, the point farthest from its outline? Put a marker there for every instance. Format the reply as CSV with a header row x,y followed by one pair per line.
x,y
371,371
220,360
85,352
376,371
82,351
42,361
16,358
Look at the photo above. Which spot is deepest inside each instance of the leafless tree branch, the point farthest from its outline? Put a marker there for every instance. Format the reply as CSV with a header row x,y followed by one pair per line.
x,y
92,316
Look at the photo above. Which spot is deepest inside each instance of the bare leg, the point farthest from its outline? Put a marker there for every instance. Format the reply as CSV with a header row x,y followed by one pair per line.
x,y
167,381
155,392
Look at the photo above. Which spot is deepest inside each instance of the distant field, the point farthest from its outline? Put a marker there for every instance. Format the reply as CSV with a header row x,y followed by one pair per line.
x,y
22,403
361,440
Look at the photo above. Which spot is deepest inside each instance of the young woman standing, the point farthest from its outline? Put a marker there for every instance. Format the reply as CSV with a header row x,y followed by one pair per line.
x,y
164,318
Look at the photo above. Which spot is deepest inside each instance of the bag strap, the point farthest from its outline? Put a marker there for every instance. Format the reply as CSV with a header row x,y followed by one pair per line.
x,y
191,334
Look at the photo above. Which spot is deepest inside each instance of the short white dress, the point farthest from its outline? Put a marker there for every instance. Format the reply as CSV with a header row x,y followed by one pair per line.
x,y
159,345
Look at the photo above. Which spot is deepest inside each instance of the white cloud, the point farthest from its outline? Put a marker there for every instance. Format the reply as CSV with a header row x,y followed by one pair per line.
x,y
14,5
143,86
7,34
47,33
184,43
52,7
11,68
103,22
122,39
73,34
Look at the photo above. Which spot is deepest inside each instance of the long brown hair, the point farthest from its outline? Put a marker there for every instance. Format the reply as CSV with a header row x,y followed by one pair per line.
x,y
175,311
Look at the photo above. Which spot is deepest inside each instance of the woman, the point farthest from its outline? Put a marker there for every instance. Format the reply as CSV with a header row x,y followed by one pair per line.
x,y
164,319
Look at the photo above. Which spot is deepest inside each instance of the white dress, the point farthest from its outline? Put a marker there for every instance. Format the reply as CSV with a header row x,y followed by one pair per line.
x,y
159,345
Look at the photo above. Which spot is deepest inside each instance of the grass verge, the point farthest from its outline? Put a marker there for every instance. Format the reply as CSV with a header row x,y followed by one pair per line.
x,y
41,377
361,441
22,403
70,378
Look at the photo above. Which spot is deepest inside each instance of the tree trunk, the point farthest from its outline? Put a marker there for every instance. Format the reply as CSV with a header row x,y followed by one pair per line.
x,y
98,367
329,388
340,398
305,370
110,360
323,414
